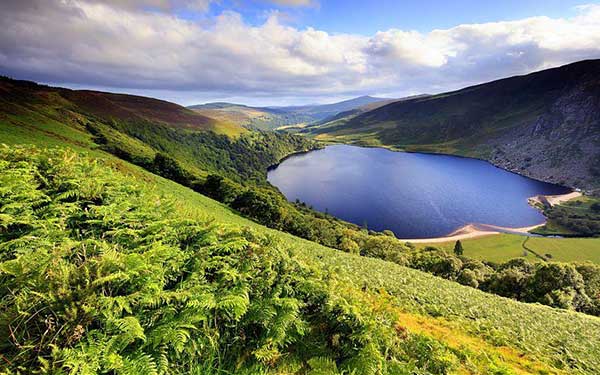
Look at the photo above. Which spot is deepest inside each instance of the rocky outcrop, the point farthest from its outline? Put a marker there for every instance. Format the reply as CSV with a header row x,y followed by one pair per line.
x,y
560,146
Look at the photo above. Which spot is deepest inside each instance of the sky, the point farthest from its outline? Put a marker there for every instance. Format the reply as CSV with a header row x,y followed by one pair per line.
x,y
283,52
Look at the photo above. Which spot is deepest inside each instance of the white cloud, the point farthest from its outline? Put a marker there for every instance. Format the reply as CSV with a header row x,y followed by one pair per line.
x,y
294,3
164,5
120,46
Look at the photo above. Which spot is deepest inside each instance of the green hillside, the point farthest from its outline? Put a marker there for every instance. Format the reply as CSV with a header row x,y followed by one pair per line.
x,y
106,267
134,314
545,125
137,128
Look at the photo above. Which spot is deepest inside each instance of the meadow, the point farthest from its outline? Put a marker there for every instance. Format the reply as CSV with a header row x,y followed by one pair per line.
x,y
503,247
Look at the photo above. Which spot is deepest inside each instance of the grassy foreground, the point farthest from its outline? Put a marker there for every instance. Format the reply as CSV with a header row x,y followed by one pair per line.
x,y
427,324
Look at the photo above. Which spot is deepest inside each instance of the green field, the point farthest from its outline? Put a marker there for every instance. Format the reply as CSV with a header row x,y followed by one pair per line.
x,y
502,247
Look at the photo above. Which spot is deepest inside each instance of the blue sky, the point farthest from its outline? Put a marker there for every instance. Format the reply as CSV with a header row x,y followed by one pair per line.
x,y
367,17
280,52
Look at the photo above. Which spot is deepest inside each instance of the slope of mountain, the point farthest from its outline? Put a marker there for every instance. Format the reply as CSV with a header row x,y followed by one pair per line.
x,y
268,118
108,106
262,118
138,128
545,125
160,269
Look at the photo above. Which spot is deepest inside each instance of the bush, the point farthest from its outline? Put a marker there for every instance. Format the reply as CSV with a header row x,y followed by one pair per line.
x,y
219,188
261,206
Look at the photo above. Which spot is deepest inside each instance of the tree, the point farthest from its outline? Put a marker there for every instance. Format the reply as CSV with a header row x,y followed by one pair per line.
x,y
167,167
260,206
458,249
219,188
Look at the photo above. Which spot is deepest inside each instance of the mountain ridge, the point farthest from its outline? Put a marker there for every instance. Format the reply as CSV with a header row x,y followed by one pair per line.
x,y
272,117
544,125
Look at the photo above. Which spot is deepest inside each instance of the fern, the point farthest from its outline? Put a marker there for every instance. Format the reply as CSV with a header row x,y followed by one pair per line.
x,y
100,275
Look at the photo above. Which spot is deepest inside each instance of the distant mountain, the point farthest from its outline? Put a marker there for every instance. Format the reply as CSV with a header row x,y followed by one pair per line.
x,y
267,118
351,113
322,111
545,125
255,117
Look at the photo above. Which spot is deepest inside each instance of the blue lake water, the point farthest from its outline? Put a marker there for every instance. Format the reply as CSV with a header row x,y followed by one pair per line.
x,y
414,195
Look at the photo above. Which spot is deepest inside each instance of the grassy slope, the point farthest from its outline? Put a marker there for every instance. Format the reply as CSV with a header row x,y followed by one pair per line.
x,y
494,332
486,324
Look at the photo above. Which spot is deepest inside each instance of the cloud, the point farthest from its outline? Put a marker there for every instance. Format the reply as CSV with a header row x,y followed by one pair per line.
x,y
294,3
121,46
163,5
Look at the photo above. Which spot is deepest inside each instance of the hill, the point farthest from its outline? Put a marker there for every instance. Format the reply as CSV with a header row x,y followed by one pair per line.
x,y
158,282
261,118
107,267
19,96
137,128
544,125
269,118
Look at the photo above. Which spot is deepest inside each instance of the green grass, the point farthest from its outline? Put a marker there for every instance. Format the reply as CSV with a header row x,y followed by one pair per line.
x,y
42,131
496,248
503,247
506,329
567,249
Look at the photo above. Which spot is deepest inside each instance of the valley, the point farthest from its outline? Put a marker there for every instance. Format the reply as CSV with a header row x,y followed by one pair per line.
x,y
299,187
158,223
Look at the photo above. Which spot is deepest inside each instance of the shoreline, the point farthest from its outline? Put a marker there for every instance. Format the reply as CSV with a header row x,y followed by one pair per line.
x,y
296,153
483,230
473,230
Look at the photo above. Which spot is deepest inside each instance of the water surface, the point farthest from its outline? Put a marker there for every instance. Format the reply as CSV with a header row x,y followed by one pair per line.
x,y
414,195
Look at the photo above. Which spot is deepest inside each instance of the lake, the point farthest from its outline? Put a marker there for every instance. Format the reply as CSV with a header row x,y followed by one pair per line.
x,y
415,195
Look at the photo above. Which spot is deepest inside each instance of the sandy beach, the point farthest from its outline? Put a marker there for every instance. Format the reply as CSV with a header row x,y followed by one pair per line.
x,y
482,230
468,231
